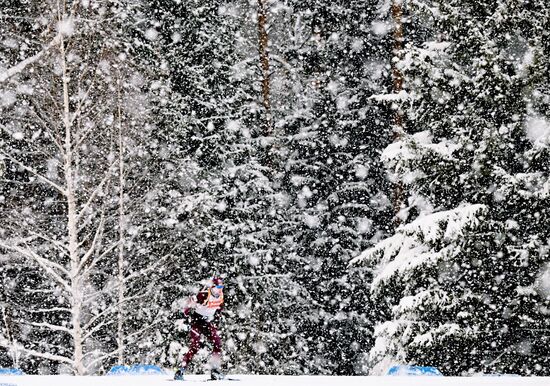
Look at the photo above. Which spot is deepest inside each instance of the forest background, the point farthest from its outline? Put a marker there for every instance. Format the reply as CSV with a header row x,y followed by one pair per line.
x,y
370,177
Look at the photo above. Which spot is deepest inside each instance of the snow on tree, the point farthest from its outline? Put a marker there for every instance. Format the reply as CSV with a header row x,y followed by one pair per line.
x,y
426,311
332,177
467,303
215,179
146,146
62,142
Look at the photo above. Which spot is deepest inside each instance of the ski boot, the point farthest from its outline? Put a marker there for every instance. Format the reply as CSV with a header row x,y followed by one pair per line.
x,y
178,376
216,375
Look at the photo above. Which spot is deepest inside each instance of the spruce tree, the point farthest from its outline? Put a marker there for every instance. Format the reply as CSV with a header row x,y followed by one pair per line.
x,y
332,175
461,277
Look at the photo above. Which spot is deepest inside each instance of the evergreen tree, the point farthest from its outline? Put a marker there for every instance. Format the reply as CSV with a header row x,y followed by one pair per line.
x,y
462,277
211,175
332,176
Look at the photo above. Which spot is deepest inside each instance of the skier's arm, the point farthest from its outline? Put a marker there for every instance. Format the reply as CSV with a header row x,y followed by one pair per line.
x,y
199,299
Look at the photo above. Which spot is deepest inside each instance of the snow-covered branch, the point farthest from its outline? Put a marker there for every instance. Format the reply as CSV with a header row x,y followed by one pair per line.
x,y
46,310
92,363
97,190
52,357
112,308
400,96
46,265
91,249
142,330
96,328
58,244
78,109
411,246
103,313
150,268
50,326
98,259
49,263
23,64
34,172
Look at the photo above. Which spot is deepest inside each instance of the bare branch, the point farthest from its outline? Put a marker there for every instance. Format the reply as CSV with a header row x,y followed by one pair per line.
x,y
53,309
112,308
141,331
98,316
79,108
115,352
49,326
97,328
101,358
106,178
21,65
91,250
34,172
41,262
141,272
38,354
47,262
59,245
50,126
99,258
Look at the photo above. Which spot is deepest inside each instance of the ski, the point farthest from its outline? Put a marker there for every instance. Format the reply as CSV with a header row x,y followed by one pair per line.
x,y
223,379
204,380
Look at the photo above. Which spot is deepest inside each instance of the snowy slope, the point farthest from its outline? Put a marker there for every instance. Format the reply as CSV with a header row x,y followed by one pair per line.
x,y
269,380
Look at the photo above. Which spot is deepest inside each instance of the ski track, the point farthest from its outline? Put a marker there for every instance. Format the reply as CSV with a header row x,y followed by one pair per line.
x,y
269,380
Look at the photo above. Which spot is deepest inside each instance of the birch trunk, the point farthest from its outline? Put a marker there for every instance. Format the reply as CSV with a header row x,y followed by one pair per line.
x,y
13,350
72,226
121,287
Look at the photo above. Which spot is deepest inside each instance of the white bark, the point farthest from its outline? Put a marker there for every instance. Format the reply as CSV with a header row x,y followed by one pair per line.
x,y
121,229
76,295
12,346
78,250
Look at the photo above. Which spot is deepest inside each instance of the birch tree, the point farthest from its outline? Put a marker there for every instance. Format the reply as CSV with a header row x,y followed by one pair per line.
x,y
60,141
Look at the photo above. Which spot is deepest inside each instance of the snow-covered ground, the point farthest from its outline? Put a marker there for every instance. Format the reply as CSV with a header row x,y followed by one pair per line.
x,y
269,380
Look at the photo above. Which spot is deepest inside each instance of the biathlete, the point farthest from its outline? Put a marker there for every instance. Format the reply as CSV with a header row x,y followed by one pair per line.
x,y
204,312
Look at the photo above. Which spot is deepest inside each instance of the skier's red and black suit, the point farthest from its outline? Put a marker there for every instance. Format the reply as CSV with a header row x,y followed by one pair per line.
x,y
203,326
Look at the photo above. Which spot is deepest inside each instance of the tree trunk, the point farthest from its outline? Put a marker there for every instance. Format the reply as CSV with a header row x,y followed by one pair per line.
x,y
397,16
72,226
263,41
121,289
11,339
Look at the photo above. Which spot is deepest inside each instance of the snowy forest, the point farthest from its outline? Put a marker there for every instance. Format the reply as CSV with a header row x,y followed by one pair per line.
x,y
370,177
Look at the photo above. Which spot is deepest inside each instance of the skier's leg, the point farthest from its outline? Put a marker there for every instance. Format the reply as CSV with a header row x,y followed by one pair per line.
x,y
214,337
195,344
216,359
